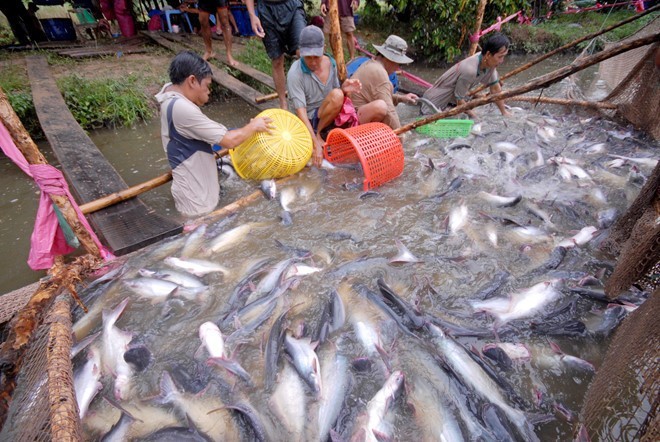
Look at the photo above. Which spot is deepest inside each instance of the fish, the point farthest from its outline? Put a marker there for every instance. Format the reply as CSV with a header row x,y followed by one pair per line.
x,y
500,201
337,381
305,360
83,344
377,408
300,270
521,304
404,255
288,402
287,196
647,162
435,418
505,146
194,242
115,344
230,238
272,352
286,218
458,218
269,189
473,376
218,425
151,288
177,434
198,267
185,280
119,431
580,238
86,381
211,338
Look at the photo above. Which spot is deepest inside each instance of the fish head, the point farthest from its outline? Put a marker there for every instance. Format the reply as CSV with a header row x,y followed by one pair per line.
x,y
207,329
121,387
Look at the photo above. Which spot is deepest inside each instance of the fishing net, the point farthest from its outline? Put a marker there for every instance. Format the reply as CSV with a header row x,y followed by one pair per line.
x,y
622,400
14,301
43,406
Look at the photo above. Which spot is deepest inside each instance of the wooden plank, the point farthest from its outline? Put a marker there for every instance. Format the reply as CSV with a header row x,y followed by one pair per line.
x,y
101,53
251,72
124,227
221,77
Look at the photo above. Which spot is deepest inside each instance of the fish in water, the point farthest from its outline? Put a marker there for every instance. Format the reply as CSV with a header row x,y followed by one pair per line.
x,y
115,344
198,267
86,381
269,189
303,357
377,408
582,237
500,201
521,304
287,196
404,255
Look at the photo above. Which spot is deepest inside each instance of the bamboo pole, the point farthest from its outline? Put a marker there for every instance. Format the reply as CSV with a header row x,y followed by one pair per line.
x,y
32,154
539,82
566,102
567,46
477,27
267,97
24,324
133,191
335,40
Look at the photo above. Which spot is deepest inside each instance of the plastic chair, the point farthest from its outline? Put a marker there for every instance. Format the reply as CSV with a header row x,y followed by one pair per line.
x,y
167,22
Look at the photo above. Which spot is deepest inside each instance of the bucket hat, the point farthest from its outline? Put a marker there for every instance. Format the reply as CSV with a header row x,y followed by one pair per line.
x,y
311,42
394,49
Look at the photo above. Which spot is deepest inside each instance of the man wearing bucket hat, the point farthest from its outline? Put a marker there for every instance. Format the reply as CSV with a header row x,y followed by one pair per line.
x,y
452,88
188,134
315,93
376,101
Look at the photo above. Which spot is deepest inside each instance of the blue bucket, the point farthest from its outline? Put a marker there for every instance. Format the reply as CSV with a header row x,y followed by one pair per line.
x,y
58,29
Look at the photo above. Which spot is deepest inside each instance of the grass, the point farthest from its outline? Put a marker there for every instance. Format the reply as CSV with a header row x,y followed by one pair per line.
x,y
106,102
565,28
15,84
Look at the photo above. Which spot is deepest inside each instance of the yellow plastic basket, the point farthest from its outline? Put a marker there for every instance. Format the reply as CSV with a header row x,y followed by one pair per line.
x,y
282,153
447,128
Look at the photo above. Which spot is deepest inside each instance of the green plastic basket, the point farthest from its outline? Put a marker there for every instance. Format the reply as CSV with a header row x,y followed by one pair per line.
x,y
447,128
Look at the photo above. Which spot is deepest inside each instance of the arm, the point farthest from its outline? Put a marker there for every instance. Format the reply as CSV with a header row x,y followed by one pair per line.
x,y
496,89
324,7
317,152
235,137
254,20
407,98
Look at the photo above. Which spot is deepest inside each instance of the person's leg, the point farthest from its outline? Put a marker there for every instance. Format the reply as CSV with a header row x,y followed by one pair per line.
x,y
280,80
223,14
232,22
206,34
372,112
350,42
330,108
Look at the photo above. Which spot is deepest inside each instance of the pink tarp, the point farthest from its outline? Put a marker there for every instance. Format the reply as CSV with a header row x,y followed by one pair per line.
x,y
47,240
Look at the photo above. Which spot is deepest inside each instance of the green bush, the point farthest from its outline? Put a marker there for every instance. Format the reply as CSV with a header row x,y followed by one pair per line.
x,y
105,102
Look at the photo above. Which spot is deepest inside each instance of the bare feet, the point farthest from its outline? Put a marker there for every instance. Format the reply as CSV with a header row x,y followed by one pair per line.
x,y
231,61
208,55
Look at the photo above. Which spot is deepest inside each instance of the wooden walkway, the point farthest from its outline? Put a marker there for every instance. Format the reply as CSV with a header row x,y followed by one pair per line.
x,y
176,43
124,227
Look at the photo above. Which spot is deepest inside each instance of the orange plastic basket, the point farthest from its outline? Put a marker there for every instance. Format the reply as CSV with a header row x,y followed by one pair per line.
x,y
374,145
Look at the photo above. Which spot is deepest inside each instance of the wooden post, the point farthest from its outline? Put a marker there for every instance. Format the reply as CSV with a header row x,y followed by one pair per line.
x,y
335,40
477,27
32,154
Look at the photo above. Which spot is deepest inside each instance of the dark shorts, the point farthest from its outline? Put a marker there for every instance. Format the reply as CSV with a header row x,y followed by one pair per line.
x,y
211,6
282,22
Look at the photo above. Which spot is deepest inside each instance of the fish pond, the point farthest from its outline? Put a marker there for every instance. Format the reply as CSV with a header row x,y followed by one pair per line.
x,y
458,300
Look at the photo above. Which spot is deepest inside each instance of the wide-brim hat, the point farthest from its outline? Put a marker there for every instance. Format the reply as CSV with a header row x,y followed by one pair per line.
x,y
394,49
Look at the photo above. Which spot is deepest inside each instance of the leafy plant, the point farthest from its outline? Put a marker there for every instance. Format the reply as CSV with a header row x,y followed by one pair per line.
x,y
105,102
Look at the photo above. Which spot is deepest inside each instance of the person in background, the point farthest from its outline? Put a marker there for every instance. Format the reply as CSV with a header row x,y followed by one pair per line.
x,y
232,23
21,22
188,135
221,7
314,91
279,25
452,88
377,100
346,21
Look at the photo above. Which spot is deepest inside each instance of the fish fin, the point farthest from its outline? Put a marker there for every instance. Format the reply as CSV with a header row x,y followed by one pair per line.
x,y
538,418
167,388
385,357
231,366
555,348
120,408
111,316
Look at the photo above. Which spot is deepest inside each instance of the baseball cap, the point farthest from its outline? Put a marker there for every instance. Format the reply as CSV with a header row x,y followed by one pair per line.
x,y
311,42
394,49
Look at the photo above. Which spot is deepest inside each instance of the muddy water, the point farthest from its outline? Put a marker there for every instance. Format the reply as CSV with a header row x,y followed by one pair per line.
x,y
352,239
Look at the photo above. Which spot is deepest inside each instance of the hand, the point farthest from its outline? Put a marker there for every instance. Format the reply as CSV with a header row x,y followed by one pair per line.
x,y
262,124
411,98
256,27
506,113
351,85
354,5
324,10
471,114
317,153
